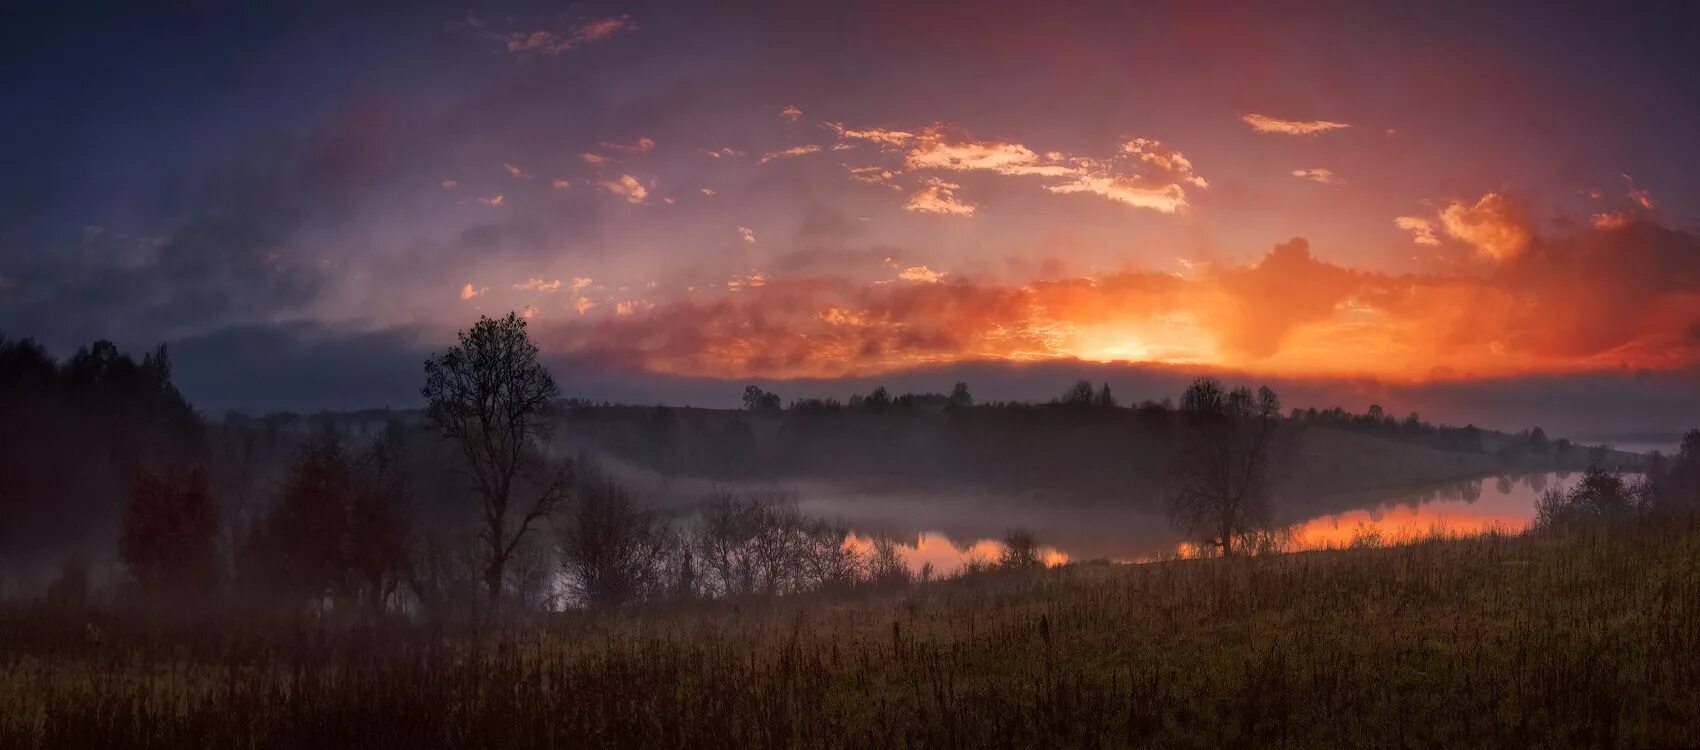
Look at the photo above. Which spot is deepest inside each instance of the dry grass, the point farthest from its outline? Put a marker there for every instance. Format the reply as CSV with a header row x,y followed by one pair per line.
x,y
1588,639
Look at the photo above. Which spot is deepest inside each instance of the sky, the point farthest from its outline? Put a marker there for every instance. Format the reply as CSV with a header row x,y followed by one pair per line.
x,y
1488,214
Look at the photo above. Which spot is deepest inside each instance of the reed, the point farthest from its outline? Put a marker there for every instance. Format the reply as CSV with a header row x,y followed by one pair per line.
x,y
1581,638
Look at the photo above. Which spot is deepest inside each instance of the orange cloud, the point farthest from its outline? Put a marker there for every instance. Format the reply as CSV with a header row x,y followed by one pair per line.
x,y
1168,160
939,197
627,308
1168,198
881,136
921,274
1496,226
1587,301
639,146
874,176
938,148
1144,173
627,187
1616,220
538,285
1265,124
1324,176
788,152
1421,229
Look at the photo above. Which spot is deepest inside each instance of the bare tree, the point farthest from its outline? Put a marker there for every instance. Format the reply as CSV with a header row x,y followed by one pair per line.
x,y
299,552
886,566
1222,475
491,396
170,532
828,559
378,522
754,544
726,536
613,551
779,545
1020,551
1079,396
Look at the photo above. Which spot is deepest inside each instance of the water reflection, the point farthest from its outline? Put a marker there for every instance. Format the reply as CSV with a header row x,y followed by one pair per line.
x,y
1459,509
931,550
947,533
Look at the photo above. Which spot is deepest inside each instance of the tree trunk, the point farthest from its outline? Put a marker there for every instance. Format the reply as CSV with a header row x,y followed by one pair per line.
x,y
493,581
498,559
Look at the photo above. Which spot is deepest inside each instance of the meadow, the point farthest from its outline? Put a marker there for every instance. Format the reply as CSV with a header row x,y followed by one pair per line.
x,y
1556,639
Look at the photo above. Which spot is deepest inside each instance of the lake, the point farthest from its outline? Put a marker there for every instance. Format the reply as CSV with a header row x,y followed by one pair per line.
x,y
945,532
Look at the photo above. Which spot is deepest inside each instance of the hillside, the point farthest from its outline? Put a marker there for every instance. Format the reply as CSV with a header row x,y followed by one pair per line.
x,y
1523,641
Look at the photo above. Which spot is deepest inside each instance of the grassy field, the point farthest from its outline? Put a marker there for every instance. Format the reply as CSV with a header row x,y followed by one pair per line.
x,y
1501,641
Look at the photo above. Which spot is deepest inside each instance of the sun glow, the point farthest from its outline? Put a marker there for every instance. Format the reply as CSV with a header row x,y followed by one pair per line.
x,y
1171,340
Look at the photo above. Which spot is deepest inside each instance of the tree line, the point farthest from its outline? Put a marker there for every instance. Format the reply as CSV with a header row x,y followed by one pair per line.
x,y
352,528
348,529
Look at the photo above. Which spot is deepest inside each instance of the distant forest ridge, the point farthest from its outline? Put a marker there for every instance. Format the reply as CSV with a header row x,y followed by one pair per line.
x,y
98,416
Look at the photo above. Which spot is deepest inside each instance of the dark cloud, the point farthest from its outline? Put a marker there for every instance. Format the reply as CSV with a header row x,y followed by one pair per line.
x,y
301,366
236,248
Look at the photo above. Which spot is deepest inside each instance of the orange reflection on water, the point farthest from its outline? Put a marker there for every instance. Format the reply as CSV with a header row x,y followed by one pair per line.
x,y
1503,504
945,556
1401,524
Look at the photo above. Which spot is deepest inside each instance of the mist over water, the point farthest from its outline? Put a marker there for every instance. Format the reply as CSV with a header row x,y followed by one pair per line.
x,y
948,532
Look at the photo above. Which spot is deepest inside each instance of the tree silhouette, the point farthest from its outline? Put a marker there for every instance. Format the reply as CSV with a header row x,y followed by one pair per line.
x,y
959,395
337,532
492,398
1020,551
313,519
378,531
1080,395
1104,399
878,399
99,411
1222,474
756,399
612,549
1601,496
170,528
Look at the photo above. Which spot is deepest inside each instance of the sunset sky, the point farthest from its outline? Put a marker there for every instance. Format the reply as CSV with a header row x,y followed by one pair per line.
x,y
1446,207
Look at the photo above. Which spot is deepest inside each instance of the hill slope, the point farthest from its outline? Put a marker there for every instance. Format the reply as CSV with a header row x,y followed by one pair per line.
x,y
1497,641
